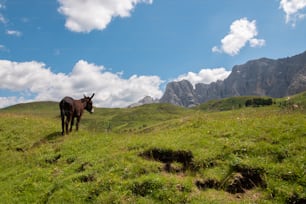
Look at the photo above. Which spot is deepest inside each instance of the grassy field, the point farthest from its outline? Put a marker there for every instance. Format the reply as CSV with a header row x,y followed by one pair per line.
x,y
156,153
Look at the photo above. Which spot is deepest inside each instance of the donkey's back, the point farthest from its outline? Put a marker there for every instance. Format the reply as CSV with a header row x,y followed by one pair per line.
x,y
66,105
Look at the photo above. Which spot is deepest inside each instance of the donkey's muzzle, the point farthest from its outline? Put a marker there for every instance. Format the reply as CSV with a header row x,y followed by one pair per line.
x,y
92,110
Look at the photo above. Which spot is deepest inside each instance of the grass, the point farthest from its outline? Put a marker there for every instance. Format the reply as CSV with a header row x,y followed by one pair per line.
x,y
103,162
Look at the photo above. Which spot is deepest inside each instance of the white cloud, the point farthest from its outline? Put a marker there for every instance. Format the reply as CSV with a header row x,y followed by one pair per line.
x,y
241,32
14,33
257,42
2,47
2,19
7,101
85,16
205,76
2,6
34,78
292,9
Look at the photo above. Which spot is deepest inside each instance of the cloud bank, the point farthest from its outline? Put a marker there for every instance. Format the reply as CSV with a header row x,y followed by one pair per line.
x,y
293,9
242,31
85,16
205,76
35,80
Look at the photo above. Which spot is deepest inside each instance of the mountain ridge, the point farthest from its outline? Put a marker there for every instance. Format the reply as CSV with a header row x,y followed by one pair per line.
x,y
260,77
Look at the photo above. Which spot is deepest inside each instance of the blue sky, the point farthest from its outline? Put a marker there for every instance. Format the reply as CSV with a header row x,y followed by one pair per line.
x,y
126,49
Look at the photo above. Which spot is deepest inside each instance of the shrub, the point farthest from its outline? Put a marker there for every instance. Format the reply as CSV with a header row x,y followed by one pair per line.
x,y
256,102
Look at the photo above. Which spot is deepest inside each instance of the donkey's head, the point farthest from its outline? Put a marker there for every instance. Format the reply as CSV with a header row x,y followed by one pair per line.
x,y
89,106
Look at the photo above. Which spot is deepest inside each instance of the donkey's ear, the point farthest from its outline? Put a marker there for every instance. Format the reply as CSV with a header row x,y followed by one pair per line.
x,y
92,95
84,95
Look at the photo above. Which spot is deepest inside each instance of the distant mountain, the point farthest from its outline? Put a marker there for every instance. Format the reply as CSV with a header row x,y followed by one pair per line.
x,y
145,100
180,93
261,77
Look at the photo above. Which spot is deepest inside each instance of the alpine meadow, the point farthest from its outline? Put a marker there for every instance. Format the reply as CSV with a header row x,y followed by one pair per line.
x,y
170,102
218,152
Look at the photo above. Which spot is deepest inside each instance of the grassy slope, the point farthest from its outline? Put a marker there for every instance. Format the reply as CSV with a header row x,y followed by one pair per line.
x,y
230,103
101,162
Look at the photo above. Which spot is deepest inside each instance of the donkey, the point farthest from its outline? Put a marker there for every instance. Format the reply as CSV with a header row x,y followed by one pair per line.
x,y
74,108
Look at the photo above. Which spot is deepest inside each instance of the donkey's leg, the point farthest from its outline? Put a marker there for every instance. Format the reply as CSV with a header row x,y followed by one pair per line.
x,y
77,123
67,123
72,122
63,124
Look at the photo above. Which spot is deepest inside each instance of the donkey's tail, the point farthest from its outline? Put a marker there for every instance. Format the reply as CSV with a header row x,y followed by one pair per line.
x,y
62,110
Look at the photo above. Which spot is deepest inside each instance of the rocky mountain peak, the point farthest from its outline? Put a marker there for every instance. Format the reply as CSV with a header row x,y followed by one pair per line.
x,y
261,77
180,93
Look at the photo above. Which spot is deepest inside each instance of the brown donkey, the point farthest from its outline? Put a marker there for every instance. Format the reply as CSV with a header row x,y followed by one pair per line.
x,y
74,108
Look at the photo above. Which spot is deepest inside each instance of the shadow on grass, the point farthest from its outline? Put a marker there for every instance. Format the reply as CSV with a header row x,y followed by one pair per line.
x,y
53,136
48,138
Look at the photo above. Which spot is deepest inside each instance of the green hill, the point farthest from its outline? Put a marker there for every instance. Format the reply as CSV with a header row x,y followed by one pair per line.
x,y
46,108
156,153
231,103
225,104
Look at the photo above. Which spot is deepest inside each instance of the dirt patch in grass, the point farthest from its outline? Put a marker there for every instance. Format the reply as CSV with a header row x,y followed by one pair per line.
x,y
239,180
209,183
295,199
168,157
84,166
54,159
49,194
146,187
70,160
86,178
20,149
244,178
